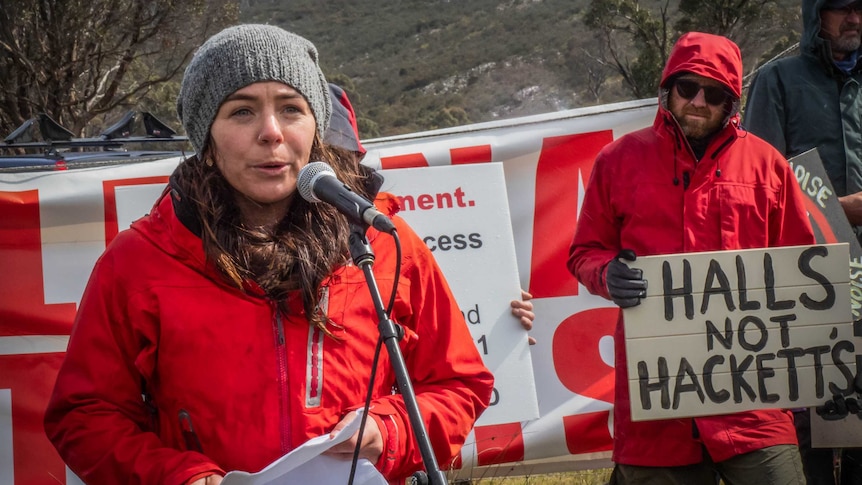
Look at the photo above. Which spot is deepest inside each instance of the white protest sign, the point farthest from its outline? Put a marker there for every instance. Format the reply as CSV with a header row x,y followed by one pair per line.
x,y
830,225
462,214
728,331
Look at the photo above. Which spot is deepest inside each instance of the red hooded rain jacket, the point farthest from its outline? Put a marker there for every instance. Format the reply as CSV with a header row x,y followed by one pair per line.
x,y
647,192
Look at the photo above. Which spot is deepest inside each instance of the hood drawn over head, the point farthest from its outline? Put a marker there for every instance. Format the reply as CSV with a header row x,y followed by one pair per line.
x,y
811,43
707,55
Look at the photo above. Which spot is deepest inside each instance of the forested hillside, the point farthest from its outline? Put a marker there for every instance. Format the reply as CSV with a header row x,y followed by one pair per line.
x,y
414,65
409,65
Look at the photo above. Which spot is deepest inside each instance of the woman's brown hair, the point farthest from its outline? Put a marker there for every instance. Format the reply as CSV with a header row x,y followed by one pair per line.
x,y
305,247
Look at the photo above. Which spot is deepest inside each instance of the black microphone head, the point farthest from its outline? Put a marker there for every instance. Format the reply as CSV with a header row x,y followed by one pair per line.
x,y
308,176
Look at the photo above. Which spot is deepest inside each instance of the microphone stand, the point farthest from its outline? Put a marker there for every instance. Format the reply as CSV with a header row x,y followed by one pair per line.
x,y
363,257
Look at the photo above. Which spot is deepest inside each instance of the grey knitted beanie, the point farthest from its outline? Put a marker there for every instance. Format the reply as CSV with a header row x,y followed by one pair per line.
x,y
242,55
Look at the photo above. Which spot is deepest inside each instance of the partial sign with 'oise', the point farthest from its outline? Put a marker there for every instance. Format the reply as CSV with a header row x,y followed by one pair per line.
x,y
830,225
728,331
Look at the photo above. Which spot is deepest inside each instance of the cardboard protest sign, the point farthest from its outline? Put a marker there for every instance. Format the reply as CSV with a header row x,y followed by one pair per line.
x,y
728,331
831,225
462,214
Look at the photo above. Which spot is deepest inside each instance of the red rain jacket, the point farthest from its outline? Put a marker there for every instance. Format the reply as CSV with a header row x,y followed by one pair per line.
x,y
648,193
238,381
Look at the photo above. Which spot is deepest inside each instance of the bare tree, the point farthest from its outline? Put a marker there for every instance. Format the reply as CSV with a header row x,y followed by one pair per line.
x,y
637,40
759,27
592,63
81,60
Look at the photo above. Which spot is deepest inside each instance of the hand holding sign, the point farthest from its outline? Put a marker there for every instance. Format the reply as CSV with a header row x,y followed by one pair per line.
x,y
625,285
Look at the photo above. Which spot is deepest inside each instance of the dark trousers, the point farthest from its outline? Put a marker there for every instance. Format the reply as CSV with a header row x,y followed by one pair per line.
x,y
775,465
823,465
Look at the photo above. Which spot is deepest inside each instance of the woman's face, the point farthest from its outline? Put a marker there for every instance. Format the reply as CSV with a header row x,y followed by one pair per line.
x,y
262,136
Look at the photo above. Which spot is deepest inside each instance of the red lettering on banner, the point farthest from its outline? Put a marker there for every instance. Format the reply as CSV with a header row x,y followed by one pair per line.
x,y
441,200
577,359
588,433
476,154
564,161
404,161
109,187
22,293
501,443
23,311
819,221
31,378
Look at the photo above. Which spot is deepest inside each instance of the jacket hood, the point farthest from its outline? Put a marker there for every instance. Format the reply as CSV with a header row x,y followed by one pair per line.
x,y
172,227
811,43
706,55
343,131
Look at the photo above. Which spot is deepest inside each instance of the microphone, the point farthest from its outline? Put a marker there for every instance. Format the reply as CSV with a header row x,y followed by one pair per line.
x,y
317,182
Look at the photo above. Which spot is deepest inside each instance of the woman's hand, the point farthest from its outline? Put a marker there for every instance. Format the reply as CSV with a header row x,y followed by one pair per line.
x,y
372,440
523,310
210,480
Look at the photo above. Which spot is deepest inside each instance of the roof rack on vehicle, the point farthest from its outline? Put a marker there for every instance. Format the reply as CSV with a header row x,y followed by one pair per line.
x,y
55,136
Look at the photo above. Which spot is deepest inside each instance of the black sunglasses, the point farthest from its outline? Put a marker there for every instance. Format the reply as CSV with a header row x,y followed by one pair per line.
x,y
713,95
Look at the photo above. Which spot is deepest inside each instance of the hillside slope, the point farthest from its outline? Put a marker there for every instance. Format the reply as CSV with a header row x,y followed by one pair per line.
x,y
412,65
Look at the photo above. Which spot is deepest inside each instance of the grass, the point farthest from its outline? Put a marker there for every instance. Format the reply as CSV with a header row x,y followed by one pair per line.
x,y
585,477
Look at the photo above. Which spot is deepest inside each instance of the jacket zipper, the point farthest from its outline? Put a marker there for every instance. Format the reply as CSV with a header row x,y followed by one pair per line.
x,y
150,405
679,138
281,363
314,356
314,374
193,443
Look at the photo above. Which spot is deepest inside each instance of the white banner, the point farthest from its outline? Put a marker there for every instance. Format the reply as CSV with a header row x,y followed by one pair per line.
x,y
55,225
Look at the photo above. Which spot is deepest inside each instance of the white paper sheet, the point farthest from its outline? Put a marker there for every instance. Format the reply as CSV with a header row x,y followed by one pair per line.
x,y
307,464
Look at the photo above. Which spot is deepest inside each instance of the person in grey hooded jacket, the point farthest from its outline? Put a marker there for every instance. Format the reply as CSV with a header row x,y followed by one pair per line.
x,y
813,100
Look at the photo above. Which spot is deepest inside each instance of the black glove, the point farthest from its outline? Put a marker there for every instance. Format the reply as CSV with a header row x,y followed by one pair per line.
x,y
837,408
625,285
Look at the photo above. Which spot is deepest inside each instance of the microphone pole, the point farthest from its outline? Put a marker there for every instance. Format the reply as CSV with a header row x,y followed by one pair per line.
x,y
363,257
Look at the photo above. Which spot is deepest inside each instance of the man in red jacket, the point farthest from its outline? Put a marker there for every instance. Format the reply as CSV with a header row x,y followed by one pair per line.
x,y
692,182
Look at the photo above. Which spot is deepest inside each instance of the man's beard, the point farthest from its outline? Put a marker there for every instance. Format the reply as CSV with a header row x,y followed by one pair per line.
x,y
700,129
845,44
